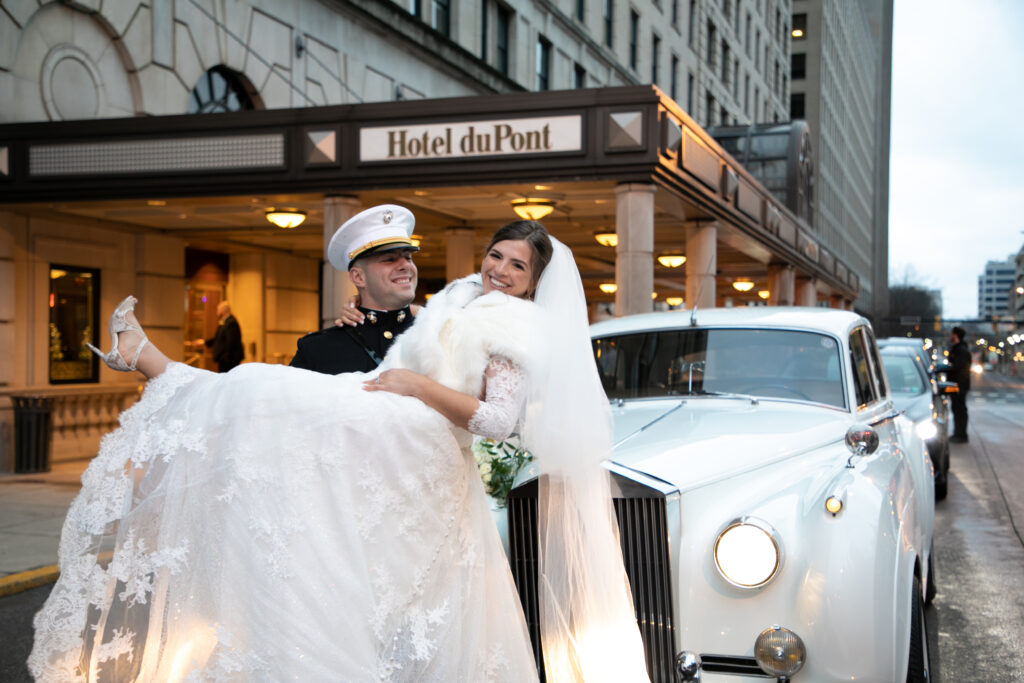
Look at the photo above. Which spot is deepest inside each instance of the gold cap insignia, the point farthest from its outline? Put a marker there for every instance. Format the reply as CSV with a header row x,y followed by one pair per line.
x,y
387,217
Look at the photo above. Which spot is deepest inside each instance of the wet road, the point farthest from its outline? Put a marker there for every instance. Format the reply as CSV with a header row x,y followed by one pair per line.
x,y
976,624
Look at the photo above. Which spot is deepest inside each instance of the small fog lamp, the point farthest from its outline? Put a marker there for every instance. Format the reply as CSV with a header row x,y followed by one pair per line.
x,y
779,652
834,504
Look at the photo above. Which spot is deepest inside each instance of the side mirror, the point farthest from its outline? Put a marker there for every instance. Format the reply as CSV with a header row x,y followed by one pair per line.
x,y
949,388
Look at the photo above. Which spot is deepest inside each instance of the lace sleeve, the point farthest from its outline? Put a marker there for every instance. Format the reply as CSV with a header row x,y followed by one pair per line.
x,y
498,412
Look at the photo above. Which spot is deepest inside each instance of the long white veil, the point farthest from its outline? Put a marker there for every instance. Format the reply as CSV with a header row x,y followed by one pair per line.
x,y
588,626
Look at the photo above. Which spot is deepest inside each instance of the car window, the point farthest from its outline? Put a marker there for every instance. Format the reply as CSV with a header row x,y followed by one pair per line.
x,y
783,364
864,388
905,374
869,339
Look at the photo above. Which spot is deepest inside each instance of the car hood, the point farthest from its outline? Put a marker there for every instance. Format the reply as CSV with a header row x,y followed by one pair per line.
x,y
696,441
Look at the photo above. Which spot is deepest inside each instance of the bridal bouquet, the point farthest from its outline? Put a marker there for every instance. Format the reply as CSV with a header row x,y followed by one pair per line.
x,y
499,462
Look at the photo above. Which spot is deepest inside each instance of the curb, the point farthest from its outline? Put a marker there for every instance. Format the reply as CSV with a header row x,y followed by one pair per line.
x,y
23,581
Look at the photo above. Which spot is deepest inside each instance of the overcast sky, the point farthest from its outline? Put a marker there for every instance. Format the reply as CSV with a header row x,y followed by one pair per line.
x,y
957,157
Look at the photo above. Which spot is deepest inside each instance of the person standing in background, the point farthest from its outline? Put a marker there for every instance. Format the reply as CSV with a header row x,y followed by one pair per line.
x,y
959,372
228,351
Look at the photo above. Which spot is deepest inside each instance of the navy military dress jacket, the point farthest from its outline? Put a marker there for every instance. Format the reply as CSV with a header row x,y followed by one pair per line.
x,y
352,349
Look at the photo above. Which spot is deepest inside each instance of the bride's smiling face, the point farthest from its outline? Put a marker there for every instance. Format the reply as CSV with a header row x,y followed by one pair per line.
x,y
508,268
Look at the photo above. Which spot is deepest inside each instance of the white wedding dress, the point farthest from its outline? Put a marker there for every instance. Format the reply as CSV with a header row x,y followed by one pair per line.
x,y
276,524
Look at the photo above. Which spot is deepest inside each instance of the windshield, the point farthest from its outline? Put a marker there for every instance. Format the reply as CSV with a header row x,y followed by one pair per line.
x,y
905,376
784,364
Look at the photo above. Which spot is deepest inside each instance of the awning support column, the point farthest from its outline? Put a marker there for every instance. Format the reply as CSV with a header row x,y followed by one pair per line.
x,y
634,254
337,288
782,283
459,256
701,264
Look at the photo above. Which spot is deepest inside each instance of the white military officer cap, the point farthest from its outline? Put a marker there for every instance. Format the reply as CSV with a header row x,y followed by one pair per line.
x,y
380,228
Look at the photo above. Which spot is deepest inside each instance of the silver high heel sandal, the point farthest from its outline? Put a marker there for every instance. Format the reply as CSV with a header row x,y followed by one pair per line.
x,y
119,323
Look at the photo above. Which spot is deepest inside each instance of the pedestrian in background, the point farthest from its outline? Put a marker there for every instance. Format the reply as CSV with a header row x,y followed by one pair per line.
x,y
959,372
226,343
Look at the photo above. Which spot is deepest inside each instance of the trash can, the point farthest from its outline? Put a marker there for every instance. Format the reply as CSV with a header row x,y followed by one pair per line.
x,y
32,429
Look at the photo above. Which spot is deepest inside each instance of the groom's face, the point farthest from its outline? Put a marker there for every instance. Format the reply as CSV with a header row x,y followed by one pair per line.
x,y
386,281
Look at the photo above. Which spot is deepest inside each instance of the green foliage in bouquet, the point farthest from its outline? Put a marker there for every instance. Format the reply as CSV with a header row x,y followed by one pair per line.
x,y
499,462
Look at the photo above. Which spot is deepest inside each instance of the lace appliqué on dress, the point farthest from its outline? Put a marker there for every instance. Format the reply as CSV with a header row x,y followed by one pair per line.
x,y
504,392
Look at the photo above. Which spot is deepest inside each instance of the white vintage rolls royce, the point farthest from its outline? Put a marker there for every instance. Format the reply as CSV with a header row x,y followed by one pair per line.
x,y
775,510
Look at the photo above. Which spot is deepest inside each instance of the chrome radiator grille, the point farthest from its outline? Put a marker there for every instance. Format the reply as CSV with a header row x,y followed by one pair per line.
x,y
643,533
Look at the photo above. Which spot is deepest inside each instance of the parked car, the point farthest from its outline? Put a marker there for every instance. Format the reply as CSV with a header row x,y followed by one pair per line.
x,y
775,510
924,345
916,392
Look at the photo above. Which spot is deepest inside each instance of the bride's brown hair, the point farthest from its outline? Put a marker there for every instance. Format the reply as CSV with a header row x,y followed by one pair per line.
x,y
535,235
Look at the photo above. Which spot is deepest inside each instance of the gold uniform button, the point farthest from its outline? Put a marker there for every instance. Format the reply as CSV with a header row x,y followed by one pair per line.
x,y
387,334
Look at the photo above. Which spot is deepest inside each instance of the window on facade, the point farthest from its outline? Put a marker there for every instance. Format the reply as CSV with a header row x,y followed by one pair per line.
x,y
709,108
501,39
746,35
727,9
757,51
441,16
483,29
736,79
543,64
723,116
415,8
579,76
712,44
757,103
675,12
746,93
799,31
725,63
655,49
74,320
634,36
580,8
777,81
798,66
778,25
691,26
221,90
689,94
609,13
674,84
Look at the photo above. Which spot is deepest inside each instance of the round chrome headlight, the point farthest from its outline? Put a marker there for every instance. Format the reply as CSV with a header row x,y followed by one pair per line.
x,y
779,651
926,429
747,553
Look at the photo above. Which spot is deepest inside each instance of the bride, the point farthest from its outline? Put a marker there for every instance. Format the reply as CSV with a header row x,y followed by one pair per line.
x,y
274,523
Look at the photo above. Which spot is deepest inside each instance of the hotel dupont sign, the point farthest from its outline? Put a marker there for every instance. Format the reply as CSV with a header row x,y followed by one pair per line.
x,y
471,139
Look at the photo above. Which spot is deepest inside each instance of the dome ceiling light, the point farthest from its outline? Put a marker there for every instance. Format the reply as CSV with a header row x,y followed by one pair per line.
x,y
671,260
286,218
606,238
742,285
532,208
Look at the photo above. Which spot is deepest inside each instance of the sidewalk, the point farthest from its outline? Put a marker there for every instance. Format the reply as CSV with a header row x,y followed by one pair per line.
x,y
32,511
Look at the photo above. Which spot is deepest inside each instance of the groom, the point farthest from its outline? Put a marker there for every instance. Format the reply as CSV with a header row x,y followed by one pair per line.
x,y
375,247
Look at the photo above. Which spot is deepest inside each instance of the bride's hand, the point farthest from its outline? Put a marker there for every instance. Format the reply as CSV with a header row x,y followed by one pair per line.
x,y
403,382
350,315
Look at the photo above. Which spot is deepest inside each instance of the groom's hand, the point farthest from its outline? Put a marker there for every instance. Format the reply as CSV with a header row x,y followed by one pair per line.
x,y
403,382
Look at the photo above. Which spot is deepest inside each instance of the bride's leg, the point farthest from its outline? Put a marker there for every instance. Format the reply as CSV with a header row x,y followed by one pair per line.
x,y
151,361
131,349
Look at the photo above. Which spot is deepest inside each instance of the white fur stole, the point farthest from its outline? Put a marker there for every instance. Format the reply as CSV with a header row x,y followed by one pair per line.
x,y
459,330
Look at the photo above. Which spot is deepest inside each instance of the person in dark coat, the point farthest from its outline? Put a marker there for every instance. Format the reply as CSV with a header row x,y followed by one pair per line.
x,y
375,247
226,343
959,372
